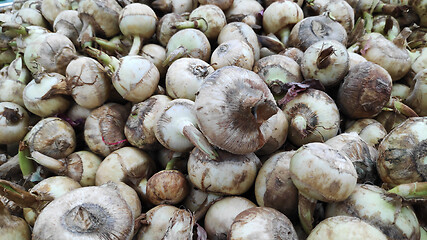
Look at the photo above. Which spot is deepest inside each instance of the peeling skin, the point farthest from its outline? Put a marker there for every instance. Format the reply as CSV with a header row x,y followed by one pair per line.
x,y
221,214
138,20
345,227
390,120
46,191
127,164
167,187
231,105
280,15
313,29
232,174
327,174
370,130
136,78
40,98
375,206
245,12
89,217
53,137
358,152
365,91
278,123
102,15
139,128
379,50
68,23
278,68
326,61
342,13
86,164
104,128
88,82
177,128
240,31
175,6
214,17
261,223
322,120
185,76
54,187
165,30
51,9
181,226
194,43
74,167
274,187
167,222
417,99
403,153
233,53
294,53
49,52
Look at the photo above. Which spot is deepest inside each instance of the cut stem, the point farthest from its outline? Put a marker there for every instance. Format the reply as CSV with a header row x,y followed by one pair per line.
x,y
387,9
136,45
204,207
108,45
306,206
26,165
376,6
52,164
12,44
397,106
369,22
13,29
86,35
141,189
21,197
263,110
23,75
284,34
272,43
60,88
171,164
404,109
197,139
74,5
111,62
174,55
411,190
388,26
200,24
400,39
299,123
354,48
